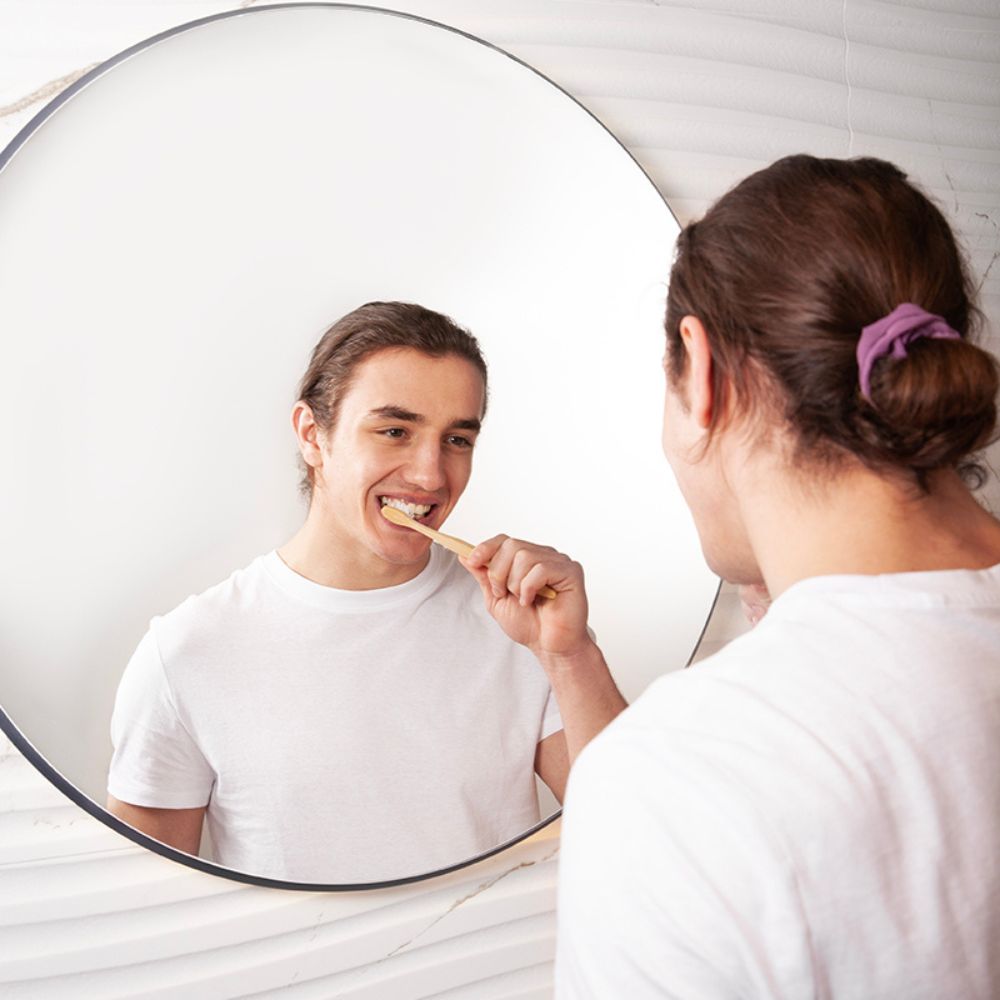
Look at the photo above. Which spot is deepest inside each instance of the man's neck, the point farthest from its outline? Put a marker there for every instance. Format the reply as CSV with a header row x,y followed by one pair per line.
x,y
317,554
863,523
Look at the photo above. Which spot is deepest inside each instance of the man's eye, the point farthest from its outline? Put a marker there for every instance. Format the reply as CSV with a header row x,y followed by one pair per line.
x,y
459,441
394,432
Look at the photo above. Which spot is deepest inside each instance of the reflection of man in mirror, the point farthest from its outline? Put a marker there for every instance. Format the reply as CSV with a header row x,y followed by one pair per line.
x,y
344,709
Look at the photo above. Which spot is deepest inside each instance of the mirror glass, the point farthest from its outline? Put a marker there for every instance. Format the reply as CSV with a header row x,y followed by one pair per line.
x,y
178,230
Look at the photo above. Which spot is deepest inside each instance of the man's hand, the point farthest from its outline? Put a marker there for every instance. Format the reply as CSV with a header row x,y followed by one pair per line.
x,y
754,600
510,573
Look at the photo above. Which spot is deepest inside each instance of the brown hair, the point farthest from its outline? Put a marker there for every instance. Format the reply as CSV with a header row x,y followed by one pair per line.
x,y
786,269
373,327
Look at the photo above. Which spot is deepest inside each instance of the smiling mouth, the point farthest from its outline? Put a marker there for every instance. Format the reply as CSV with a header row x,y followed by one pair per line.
x,y
418,511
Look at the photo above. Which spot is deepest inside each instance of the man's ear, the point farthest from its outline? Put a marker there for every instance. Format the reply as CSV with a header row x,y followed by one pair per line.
x,y
307,434
699,371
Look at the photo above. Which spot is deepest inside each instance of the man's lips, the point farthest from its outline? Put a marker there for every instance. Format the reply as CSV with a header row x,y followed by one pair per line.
x,y
419,508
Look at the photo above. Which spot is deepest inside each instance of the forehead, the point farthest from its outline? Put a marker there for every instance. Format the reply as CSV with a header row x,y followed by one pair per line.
x,y
448,387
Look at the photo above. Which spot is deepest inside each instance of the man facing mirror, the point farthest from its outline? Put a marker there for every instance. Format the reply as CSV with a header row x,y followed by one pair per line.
x,y
344,709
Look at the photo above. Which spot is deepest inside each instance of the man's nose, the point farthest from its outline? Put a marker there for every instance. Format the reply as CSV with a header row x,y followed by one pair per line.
x,y
426,466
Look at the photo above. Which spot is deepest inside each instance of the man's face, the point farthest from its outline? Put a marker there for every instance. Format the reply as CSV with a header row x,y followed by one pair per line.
x,y
404,434
702,477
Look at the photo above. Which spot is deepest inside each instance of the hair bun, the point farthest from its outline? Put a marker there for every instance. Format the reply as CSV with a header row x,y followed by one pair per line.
x,y
935,406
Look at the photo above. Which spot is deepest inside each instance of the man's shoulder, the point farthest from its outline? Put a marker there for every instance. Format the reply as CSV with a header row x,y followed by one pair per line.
x,y
228,604
783,721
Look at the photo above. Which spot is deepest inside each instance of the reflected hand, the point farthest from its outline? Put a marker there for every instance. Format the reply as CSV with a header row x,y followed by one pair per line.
x,y
755,599
511,572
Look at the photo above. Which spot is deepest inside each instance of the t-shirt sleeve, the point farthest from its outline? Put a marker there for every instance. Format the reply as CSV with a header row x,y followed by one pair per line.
x,y
155,763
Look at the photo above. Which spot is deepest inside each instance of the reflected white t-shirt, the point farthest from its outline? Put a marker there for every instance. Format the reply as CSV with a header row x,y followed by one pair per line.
x,y
812,812
336,736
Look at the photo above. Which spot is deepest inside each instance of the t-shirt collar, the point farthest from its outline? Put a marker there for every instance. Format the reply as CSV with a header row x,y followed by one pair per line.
x,y
317,595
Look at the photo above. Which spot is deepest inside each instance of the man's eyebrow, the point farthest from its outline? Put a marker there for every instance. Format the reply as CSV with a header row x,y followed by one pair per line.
x,y
391,412
401,413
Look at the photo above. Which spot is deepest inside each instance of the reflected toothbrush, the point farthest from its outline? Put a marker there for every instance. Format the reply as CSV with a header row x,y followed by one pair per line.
x,y
449,542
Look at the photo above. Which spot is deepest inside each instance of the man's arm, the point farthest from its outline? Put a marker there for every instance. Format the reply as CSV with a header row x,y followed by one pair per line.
x,y
586,693
552,763
179,828
510,574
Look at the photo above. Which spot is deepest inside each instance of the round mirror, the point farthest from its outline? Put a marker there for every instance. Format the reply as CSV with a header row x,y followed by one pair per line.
x,y
178,230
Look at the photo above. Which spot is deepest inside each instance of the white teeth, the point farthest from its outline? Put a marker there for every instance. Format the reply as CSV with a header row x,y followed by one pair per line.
x,y
409,509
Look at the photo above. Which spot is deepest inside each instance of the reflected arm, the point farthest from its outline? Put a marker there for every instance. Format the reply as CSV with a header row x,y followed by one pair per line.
x,y
585,691
178,828
552,763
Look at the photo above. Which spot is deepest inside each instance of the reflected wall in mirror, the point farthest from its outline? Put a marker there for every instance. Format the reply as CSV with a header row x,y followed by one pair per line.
x,y
175,235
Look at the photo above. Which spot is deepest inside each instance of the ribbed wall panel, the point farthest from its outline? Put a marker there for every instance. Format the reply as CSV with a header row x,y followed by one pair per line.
x,y
75,886
701,96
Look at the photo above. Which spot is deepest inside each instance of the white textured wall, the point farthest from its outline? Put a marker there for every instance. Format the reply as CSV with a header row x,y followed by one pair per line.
x,y
701,96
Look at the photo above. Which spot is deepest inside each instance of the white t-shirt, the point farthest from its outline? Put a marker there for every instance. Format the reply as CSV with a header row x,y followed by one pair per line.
x,y
336,736
814,812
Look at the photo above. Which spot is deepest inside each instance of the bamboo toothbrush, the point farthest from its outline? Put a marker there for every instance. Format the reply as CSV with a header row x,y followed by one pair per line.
x,y
455,545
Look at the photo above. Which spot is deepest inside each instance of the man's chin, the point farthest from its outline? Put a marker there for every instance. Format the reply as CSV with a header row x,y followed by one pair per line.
x,y
406,554
729,567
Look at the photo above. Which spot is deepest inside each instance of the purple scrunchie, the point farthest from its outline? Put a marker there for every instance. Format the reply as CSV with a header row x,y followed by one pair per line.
x,y
892,333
